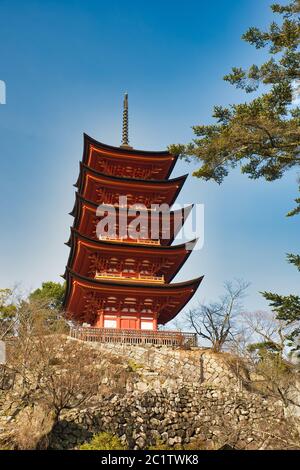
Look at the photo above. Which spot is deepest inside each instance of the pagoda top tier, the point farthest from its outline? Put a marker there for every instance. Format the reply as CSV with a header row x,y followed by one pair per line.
x,y
127,162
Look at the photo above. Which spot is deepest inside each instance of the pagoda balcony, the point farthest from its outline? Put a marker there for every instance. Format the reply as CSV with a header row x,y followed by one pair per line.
x,y
135,277
174,339
137,206
140,241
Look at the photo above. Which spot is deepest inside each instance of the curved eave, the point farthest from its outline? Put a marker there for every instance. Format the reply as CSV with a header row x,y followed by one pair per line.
x,y
129,245
80,199
84,169
97,244
193,283
175,185
94,283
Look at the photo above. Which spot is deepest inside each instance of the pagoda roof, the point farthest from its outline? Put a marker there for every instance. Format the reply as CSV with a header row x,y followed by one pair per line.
x,y
92,183
171,258
123,150
164,158
179,216
92,294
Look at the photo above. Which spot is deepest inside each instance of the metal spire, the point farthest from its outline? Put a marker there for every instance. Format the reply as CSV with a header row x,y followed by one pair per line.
x,y
125,140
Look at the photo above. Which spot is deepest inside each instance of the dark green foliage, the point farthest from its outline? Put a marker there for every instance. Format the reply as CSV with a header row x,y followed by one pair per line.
x,y
296,210
51,292
287,308
294,259
8,310
43,307
263,135
265,346
50,297
7,307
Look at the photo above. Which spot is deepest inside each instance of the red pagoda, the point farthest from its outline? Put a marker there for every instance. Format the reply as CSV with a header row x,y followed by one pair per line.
x,y
125,283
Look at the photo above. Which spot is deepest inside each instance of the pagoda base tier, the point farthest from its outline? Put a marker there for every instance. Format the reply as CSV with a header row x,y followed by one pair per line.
x,y
88,298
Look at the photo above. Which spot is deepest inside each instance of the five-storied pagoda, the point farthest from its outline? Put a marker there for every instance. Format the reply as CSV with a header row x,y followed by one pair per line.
x,y
122,282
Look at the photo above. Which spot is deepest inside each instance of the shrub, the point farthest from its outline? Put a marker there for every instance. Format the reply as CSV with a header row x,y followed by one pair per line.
x,y
103,441
134,366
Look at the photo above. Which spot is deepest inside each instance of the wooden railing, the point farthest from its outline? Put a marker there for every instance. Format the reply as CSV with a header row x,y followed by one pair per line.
x,y
130,277
135,206
138,337
141,241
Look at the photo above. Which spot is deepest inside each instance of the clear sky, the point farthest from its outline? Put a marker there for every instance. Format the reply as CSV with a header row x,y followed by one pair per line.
x,y
66,65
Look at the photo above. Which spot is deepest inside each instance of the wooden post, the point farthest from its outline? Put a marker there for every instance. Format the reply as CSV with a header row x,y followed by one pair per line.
x,y
100,319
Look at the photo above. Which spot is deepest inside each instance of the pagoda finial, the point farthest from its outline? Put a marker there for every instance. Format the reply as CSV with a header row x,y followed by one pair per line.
x,y
125,140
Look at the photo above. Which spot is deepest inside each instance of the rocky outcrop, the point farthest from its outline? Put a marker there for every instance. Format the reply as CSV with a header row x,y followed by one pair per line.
x,y
176,398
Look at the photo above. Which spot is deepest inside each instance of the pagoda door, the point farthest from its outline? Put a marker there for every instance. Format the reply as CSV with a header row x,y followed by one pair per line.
x,y
129,323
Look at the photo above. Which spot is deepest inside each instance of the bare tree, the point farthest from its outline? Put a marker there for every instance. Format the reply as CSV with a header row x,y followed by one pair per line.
x,y
49,364
266,354
260,328
216,322
268,330
52,373
47,372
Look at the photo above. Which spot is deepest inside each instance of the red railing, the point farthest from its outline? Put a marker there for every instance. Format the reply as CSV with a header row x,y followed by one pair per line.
x,y
138,337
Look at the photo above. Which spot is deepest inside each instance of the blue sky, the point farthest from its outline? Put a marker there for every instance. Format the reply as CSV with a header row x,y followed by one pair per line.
x,y
66,65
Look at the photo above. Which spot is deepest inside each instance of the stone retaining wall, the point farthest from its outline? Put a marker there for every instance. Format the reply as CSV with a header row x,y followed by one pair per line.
x,y
205,417
196,365
180,398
